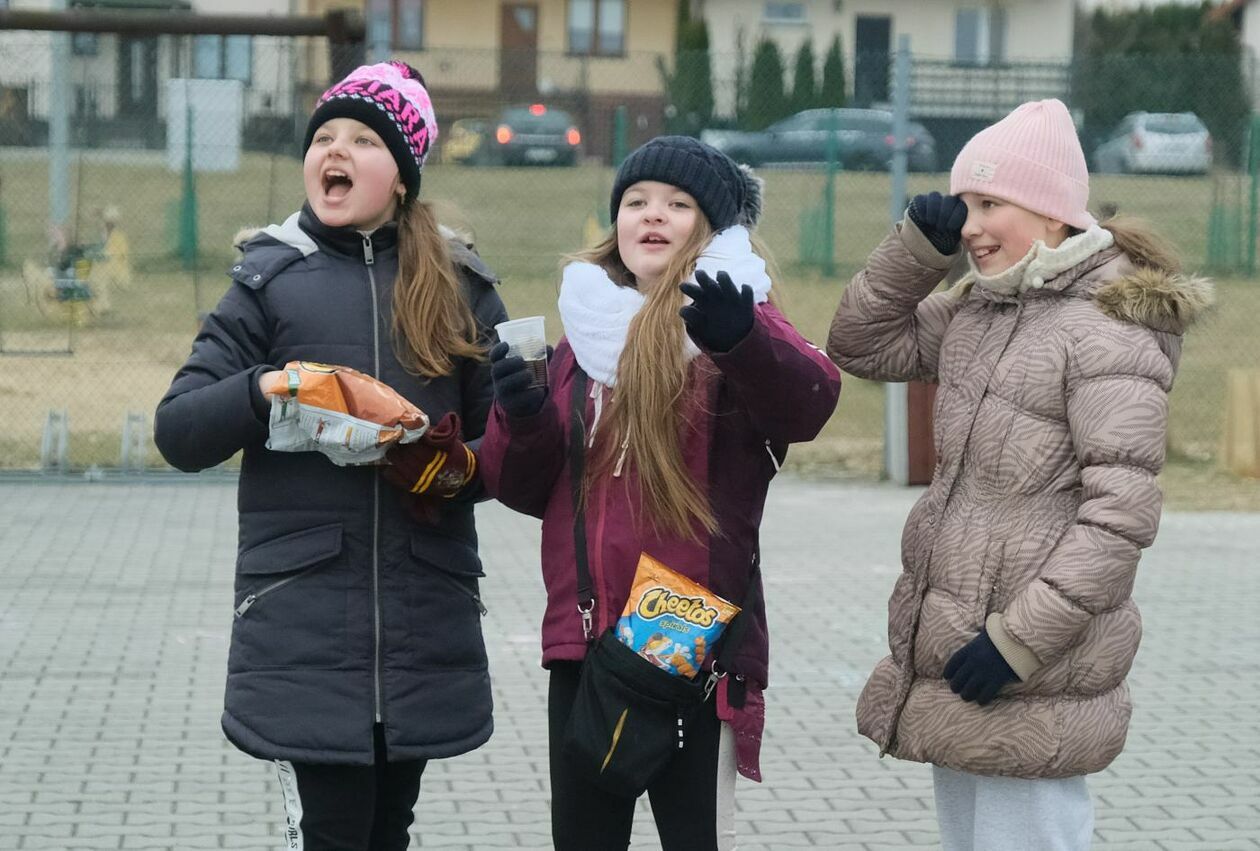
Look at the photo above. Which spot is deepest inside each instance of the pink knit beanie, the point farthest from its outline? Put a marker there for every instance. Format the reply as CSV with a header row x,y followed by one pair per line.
x,y
391,98
1032,158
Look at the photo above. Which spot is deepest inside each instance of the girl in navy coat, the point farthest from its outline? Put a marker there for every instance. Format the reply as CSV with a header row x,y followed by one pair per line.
x,y
356,650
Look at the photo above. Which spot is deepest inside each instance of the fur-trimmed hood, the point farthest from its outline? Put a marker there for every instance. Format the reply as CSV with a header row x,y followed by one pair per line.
x,y
1156,298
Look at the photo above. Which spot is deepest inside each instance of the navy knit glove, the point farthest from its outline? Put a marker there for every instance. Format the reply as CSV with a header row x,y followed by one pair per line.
x,y
941,218
720,315
978,671
511,384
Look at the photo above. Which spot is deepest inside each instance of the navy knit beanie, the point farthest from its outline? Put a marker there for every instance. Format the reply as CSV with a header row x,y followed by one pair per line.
x,y
727,193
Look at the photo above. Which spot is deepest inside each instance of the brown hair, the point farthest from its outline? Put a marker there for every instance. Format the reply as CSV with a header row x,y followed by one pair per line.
x,y
654,395
433,324
1142,244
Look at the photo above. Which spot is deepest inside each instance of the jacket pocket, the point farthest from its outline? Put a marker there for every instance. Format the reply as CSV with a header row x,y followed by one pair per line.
x,y
454,562
280,561
988,591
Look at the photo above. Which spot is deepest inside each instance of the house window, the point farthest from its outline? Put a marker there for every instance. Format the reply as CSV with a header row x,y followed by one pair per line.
x,y
81,44
219,57
980,36
784,13
408,24
597,27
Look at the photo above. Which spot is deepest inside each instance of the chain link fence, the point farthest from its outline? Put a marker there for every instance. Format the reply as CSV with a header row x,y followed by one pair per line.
x,y
178,142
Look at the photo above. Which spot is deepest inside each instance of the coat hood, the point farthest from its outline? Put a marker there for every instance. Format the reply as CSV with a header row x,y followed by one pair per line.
x,y
1156,298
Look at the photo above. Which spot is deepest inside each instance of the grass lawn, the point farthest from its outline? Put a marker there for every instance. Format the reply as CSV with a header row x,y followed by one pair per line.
x,y
523,221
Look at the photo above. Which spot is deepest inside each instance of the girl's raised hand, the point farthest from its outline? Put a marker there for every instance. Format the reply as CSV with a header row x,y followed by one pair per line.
x,y
719,315
512,380
940,218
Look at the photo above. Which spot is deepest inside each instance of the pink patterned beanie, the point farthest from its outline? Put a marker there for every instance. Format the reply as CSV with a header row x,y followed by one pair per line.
x,y
391,98
1032,158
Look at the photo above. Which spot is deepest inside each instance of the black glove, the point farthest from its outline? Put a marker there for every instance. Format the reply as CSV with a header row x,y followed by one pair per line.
x,y
511,384
978,671
941,218
720,315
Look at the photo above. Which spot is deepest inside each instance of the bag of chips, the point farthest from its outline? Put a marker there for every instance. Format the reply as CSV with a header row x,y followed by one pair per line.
x,y
670,620
350,417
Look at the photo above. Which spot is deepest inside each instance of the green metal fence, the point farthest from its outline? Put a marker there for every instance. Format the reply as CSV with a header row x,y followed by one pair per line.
x,y
97,313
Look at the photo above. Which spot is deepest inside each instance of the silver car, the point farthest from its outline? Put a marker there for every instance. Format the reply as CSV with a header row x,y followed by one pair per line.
x,y
1156,143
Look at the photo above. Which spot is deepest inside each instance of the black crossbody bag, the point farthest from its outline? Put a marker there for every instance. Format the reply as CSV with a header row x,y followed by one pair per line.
x,y
630,717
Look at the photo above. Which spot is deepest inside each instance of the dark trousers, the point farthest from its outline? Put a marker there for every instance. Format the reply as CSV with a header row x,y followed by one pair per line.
x,y
350,807
684,799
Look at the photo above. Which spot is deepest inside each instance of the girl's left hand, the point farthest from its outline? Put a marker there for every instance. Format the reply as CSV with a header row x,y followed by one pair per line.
x,y
720,315
264,379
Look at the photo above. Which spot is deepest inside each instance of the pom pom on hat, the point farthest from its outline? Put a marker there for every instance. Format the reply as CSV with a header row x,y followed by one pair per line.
x,y
391,98
1032,158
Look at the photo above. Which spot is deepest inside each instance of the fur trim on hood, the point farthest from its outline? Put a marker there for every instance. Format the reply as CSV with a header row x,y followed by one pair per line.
x,y
243,236
1156,299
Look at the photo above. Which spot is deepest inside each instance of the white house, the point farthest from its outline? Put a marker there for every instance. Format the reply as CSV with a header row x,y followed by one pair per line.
x,y
972,57
1245,16
118,82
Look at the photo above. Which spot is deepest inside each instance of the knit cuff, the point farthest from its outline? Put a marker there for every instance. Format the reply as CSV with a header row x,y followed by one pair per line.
x,y
1022,660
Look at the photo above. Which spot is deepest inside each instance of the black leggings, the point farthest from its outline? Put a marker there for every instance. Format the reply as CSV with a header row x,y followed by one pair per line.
x,y
684,800
350,807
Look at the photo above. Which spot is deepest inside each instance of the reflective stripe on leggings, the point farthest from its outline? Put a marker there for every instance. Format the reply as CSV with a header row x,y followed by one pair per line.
x,y
292,806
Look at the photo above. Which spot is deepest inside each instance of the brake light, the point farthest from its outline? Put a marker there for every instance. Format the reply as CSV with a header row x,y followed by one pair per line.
x,y
503,135
573,137
1136,140
890,140
537,109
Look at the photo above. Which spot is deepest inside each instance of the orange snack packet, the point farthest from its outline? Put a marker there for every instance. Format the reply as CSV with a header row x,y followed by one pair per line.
x,y
350,417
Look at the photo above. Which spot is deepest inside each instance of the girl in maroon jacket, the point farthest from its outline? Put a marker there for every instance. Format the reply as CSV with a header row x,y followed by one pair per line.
x,y
697,385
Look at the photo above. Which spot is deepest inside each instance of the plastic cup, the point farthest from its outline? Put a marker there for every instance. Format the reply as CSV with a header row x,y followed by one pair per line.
x,y
527,340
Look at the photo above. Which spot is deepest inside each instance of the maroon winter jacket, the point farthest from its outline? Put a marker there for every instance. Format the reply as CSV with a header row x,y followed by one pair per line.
x,y
771,389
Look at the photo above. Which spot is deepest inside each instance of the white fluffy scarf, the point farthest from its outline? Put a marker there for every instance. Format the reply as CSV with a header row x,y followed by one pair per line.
x,y
1041,263
596,313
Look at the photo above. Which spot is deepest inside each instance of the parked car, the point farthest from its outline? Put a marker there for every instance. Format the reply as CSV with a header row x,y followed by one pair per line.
x,y
1156,142
864,140
519,135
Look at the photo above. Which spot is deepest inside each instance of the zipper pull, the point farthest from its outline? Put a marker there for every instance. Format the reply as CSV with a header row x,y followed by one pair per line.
x,y
481,607
245,604
368,256
773,459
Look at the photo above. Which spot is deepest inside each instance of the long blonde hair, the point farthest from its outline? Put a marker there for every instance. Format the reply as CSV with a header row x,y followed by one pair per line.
x,y
653,395
433,324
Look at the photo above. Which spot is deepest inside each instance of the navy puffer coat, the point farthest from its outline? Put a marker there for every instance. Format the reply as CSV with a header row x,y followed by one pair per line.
x,y
347,611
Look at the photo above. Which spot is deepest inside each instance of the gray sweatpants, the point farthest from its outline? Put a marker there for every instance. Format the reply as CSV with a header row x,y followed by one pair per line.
x,y
979,813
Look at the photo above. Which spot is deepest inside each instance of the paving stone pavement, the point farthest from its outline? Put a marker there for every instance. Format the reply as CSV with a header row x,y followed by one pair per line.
x,y
115,605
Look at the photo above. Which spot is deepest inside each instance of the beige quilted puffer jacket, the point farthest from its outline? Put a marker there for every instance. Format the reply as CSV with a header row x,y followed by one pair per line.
x,y
1050,423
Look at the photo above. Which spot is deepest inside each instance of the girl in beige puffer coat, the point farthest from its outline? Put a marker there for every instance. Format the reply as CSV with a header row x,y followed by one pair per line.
x,y
1011,627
